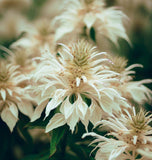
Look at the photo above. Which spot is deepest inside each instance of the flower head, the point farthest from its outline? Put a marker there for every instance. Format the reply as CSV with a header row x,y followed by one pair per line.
x,y
78,83
132,90
83,14
38,35
12,97
133,137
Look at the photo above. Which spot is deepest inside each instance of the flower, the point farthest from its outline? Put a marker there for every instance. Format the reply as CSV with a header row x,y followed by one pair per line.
x,y
132,134
38,35
78,84
80,16
12,25
132,90
12,97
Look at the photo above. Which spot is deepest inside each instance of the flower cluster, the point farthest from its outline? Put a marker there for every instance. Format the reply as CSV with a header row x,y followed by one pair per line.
x,y
55,70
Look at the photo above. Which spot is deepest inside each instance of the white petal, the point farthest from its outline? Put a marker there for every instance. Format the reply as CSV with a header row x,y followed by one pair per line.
x,y
3,94
39,109
89,20
9,118
61,31
67,108
116,152
81,107
52,105
77,81
26,108
56,121
95,113
13,109
84,78
146,154
106,103
9,92
135,139
55,101
72,120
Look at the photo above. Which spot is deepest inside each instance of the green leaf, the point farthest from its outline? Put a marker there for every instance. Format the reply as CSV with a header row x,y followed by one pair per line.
x,y
56,136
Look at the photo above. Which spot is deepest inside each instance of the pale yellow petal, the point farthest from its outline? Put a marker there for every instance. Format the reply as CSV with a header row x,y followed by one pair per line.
x,y
13,109
3,94
56,121
26,108
67,108
9,118
55,101
72,120
89,20
39,109
81,107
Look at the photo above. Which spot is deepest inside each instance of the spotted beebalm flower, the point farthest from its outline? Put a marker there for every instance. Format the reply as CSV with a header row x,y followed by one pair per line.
x,y
132,140
132,90
90,13
78,84
38,34
21,57
12,97
12,25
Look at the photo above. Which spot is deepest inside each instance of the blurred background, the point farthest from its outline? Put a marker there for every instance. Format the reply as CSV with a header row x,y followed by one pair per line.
x,y
15,15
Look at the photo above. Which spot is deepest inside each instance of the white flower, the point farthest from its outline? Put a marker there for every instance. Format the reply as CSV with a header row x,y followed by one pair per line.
x,y
78,83
90,13
12,25
132,90
12,97
38,35
132,134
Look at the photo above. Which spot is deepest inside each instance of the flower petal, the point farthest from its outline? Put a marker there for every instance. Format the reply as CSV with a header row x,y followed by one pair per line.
x,y
39,109
56,121
13,109
67,108
72,120
55,101
26,108
9,118
3,94
89,20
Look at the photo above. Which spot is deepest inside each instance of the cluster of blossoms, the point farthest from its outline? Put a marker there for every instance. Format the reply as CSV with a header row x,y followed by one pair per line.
x,y
76,80
131,137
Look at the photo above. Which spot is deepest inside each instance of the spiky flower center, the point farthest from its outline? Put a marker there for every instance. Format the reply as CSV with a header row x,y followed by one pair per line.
x,y
81,53
118,64
80,65
139,122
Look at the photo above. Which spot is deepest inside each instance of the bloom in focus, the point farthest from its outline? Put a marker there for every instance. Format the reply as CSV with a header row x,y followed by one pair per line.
x,y
78,84
132,133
